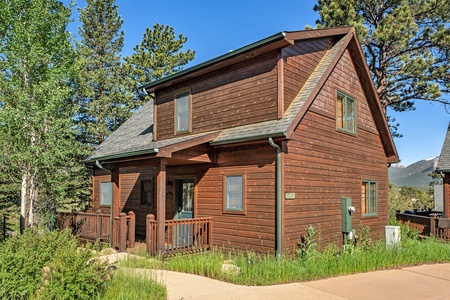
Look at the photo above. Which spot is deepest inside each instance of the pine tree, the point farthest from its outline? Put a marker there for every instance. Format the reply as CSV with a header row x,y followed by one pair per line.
x,y
36,115
104,89
406,44
158,55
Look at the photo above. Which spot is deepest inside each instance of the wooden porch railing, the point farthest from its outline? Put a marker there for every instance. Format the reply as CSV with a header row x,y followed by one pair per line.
x,y
181,236
96,226
125,235
426,226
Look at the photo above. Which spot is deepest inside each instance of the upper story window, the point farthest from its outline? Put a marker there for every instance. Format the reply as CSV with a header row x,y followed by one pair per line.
x,y
182,113
346,113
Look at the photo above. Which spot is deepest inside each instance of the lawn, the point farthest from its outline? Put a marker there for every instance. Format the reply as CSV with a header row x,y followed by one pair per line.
x,y
310,263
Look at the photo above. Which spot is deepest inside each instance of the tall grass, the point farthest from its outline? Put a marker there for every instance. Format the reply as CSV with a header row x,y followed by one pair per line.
x,y
315,264
134,285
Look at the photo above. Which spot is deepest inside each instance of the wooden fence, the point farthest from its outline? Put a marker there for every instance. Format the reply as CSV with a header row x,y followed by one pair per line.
x,y
180,236
97,226
427,225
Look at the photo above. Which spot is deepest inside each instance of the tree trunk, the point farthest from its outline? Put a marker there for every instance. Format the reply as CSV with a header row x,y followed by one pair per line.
x,y
23,202
33,199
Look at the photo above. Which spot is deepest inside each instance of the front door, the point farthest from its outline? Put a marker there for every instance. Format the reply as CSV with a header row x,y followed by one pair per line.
x,y
184,209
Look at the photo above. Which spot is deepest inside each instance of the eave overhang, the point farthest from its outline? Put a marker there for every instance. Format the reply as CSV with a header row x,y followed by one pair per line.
x,y
262,46
91,161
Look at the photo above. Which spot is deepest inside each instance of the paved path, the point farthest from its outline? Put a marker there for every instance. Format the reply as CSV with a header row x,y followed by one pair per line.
x,y
421,282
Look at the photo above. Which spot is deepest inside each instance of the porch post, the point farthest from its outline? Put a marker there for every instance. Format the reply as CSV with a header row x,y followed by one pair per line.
x,y
161,204
115,204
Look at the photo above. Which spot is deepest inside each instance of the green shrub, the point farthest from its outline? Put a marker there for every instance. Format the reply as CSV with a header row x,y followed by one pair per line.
x,y
48,265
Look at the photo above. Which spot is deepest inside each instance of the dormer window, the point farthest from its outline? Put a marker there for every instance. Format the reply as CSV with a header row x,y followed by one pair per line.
x,y
182,113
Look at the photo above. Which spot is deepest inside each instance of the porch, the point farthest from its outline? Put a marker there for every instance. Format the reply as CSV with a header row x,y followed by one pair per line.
x,y
427,224
180,236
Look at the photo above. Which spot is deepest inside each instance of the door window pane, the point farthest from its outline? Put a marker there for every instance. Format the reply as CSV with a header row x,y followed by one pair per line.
x,y
188,196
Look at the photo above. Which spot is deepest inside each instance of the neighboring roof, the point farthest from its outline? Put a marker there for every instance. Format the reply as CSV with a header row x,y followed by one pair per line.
x,y
444,159
135,137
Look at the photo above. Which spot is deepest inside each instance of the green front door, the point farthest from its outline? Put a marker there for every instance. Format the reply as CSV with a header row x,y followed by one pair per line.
x,y
184,209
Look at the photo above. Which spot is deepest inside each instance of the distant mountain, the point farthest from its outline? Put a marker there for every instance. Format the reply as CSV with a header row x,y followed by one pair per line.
x,y
415,175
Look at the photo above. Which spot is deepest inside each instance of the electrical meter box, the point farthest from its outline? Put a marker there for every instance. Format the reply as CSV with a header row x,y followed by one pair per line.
x,y
347,210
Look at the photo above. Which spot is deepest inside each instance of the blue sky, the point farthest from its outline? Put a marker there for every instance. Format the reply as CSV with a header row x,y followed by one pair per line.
x,y
213,27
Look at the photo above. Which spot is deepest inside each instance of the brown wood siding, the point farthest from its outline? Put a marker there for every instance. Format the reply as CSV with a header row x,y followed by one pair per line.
x,y
447,194
241,94
256,229
345,79
324,164
130,194
300,61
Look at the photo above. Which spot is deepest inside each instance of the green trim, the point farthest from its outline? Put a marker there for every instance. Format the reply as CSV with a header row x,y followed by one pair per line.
x,y
277,36
120,155
345,102
247,139
368,198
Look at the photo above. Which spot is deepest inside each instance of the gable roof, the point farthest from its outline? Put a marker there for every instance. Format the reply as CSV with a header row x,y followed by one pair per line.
x,y
444,159
134,137
278,40
283,126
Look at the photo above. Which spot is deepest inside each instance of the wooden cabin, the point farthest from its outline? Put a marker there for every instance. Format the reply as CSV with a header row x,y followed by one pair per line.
x,y
263,141
443,167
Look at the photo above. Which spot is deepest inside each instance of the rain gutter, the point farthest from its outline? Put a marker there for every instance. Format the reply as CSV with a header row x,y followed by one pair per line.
x,y
278,198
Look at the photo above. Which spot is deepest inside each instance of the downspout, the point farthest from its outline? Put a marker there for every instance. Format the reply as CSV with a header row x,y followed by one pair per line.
x,y
278,201
111,221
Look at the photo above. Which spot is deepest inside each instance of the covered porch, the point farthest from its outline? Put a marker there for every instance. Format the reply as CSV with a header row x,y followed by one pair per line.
x,y
180,236
158,188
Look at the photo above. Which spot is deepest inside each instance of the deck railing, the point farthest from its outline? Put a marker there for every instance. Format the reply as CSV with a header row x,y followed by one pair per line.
x,y
96,226
427,225
180,236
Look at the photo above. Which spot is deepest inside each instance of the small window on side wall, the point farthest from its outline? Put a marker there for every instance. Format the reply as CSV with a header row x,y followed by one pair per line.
x,y
105,193
234,194
147,193
345,113
182,113
369,198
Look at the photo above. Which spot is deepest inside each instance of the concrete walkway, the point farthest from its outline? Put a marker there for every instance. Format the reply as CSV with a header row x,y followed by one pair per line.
x,y
422,282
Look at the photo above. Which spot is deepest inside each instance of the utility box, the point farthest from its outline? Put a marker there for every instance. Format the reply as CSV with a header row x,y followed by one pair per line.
x,y
392,236
347,210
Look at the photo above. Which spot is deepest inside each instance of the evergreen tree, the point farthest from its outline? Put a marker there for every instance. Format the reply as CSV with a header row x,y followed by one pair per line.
x,y
406,44
104,89
36,110
158,55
